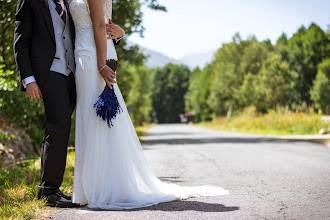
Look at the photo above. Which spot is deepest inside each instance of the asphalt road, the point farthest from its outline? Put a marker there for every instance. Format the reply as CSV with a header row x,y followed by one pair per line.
x,y
267,178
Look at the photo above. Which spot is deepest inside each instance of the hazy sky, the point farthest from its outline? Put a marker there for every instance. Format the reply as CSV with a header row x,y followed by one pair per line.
x,y
193,26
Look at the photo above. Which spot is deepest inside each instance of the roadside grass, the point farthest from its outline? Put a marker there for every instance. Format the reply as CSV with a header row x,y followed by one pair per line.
x,y
18,187
141,130
273,123
18,190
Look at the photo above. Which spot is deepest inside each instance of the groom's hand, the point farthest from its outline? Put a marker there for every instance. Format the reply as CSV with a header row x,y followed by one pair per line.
x,y
33,91
114,31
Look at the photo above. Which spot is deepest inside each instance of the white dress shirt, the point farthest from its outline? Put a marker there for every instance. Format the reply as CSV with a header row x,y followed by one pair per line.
x,y
31,79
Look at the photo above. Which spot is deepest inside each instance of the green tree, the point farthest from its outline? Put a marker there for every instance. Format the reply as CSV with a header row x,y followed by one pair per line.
x,y
232,62
281,47
275,84
321,87
282,40
170,85
247,94
199,91
125,78
7,25
226,76
307,48
193,86
139,97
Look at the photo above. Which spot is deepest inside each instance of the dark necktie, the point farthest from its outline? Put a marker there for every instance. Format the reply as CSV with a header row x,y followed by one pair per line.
x,y
60,10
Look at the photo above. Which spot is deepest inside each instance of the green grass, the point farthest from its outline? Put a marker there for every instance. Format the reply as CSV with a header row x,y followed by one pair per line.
x,y
273,123
141,130
18,190
18,187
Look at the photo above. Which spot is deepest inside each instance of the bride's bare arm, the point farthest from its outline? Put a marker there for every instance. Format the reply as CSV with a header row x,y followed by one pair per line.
x,y
100,37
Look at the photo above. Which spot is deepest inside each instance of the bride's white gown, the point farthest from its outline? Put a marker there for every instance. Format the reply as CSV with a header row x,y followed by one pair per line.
x,y
111,171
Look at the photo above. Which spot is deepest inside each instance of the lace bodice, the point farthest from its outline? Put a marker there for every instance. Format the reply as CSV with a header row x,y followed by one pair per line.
x,y
85,45
80,13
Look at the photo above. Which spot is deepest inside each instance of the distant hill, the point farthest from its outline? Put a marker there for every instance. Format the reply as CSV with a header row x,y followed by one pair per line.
x,y
157,59
198,59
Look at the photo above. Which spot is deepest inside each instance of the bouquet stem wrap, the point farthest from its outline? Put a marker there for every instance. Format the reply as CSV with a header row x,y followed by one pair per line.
x,y
107,105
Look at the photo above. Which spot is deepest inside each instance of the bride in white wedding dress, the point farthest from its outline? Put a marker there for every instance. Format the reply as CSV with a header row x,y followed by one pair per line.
x,y
111,171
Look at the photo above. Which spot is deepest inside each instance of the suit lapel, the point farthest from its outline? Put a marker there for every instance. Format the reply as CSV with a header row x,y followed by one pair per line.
x,y
44,6
72,28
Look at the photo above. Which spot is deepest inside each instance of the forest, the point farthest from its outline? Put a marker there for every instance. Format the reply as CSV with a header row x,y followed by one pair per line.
x,y
294,73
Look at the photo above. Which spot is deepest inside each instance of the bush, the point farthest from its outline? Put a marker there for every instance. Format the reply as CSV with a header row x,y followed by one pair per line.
x,y
16,108
26,113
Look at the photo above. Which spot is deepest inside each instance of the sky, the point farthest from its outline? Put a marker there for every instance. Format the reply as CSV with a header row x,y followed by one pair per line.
x,y
197,26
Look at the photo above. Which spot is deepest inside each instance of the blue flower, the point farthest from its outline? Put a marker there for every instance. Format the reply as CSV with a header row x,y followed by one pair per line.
x,y
107,106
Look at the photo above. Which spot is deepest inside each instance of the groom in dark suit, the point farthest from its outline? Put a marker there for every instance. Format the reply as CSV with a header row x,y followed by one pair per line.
x,y
44,52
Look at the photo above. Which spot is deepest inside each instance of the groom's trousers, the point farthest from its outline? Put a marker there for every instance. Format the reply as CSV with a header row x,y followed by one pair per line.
x,y
59,97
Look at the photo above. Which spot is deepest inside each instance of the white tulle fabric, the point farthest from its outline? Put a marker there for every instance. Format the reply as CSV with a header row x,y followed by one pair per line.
x,y
111,171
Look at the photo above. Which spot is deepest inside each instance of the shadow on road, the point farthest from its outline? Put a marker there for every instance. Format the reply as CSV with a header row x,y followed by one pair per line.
x,y
233,140
171,179
191,206
167,133
180,205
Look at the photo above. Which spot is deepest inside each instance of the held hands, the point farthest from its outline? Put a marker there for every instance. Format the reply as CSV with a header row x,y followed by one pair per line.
x,y
114,31
33,91
108,75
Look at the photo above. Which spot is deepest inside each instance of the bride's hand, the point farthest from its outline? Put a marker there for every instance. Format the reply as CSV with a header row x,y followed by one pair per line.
x,y
108,75
114,31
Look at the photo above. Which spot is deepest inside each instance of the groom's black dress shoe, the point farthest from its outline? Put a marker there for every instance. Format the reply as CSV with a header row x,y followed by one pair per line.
x,y
57,200
64,195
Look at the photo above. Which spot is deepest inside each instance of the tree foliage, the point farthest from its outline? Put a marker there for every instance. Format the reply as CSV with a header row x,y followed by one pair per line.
x,y
307,48
274,84
321,87
7,25
139,96
170,85
251,72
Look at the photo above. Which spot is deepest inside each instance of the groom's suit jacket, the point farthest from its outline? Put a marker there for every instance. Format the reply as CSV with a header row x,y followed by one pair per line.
x,y
34,39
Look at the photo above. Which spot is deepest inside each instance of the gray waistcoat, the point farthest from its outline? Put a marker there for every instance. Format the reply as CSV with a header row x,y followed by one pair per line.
x,y
64,59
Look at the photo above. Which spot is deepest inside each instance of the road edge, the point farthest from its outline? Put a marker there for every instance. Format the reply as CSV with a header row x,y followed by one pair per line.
x,y
320,139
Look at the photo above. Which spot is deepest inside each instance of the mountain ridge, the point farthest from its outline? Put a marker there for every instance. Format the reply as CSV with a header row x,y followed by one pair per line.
x,y
157,59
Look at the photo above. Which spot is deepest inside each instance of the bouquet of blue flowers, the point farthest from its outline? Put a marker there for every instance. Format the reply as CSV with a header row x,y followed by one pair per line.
x,y
107,105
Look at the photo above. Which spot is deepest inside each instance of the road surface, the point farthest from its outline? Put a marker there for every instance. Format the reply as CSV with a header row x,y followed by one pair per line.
x,y
267,178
